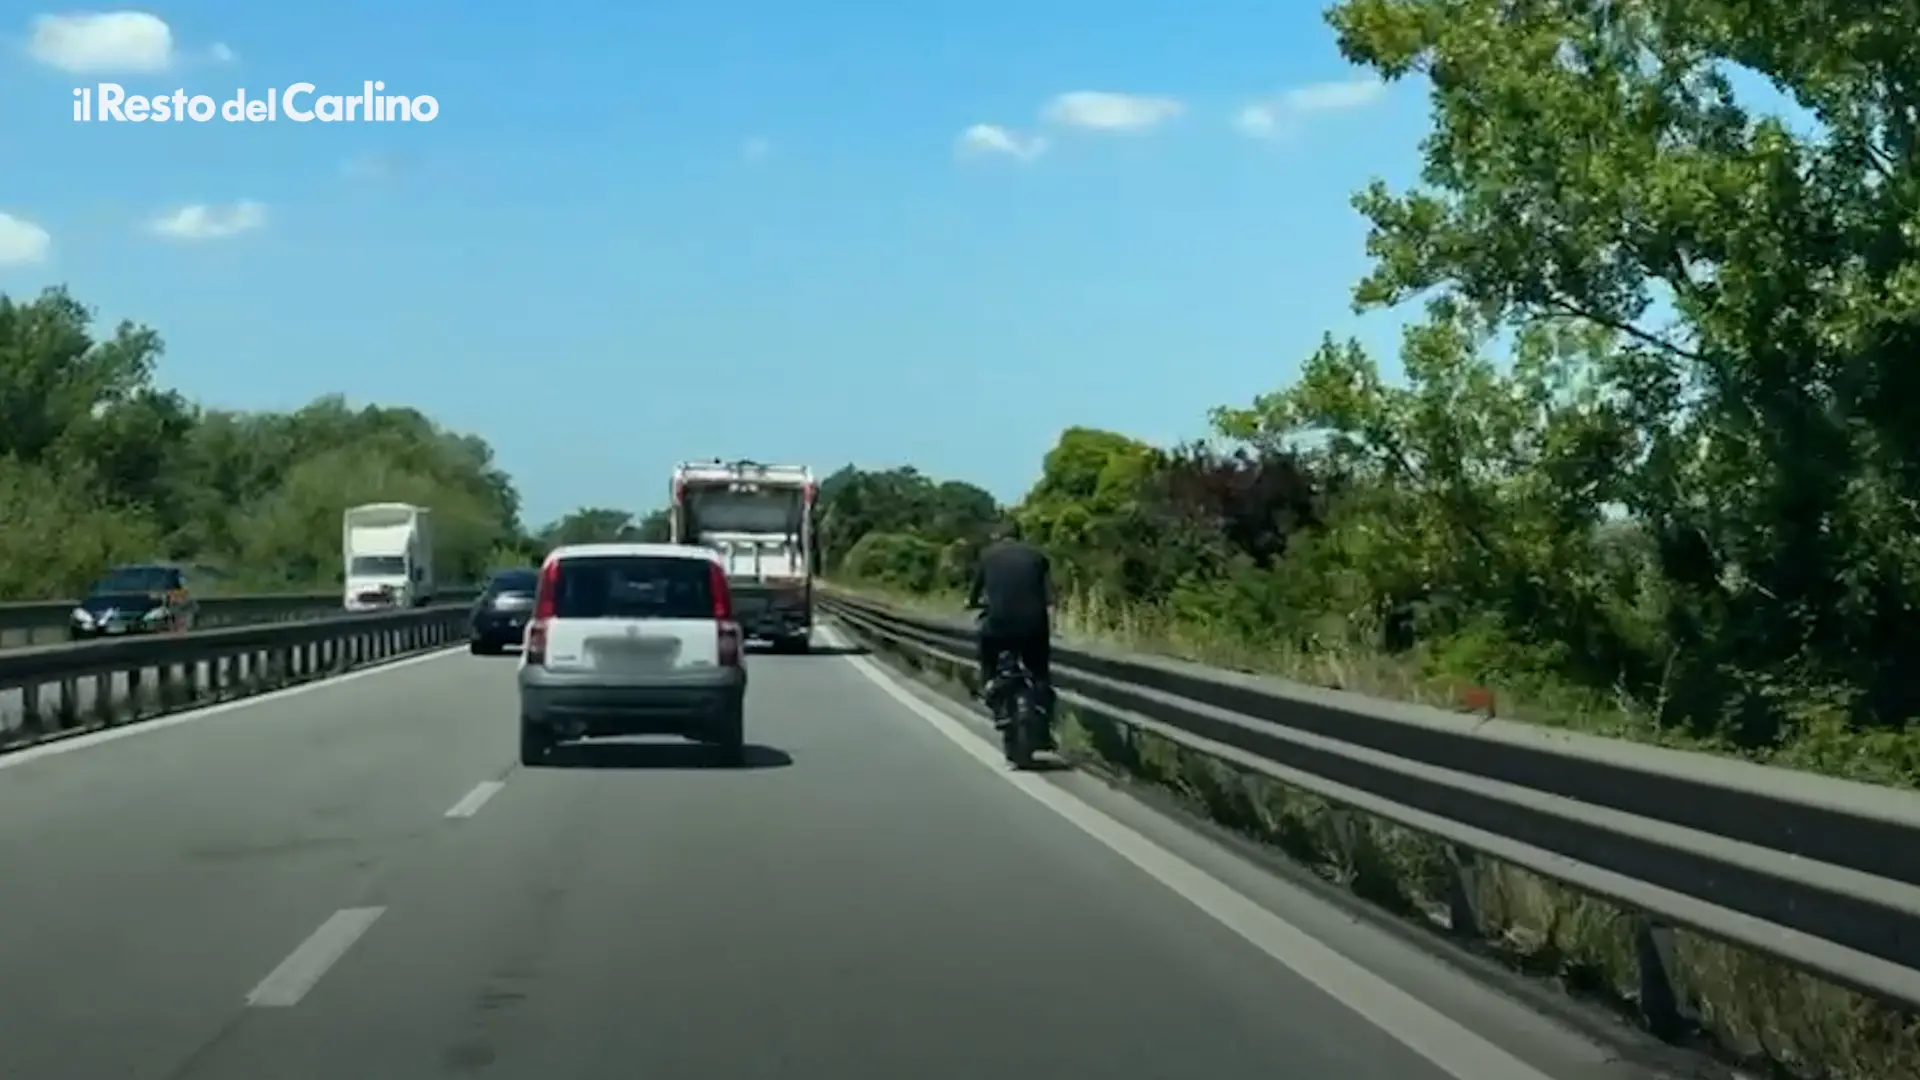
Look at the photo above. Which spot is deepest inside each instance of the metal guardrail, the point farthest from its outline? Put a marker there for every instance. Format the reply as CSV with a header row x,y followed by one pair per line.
x,y
69,689
1819,873
44,621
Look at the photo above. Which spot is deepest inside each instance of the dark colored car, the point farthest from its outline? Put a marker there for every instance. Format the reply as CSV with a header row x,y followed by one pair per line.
x,y
143,599
500,614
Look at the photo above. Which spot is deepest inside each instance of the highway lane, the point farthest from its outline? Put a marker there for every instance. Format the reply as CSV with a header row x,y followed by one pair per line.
x,y
865,899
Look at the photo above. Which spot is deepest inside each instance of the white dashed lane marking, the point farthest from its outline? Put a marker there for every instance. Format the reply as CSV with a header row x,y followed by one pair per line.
x,y
285,985
472,801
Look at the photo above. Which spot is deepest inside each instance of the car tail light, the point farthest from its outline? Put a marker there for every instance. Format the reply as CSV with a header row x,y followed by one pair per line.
x,y
545,604
722,592
723,615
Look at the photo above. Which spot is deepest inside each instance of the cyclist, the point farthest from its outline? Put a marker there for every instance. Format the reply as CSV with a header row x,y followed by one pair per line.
x,y
1014,586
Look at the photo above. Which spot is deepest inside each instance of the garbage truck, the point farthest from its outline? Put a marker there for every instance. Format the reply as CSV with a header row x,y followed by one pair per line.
x,y
759,519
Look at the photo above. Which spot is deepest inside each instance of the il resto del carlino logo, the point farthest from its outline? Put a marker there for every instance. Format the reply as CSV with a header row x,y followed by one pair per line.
x,y
299,102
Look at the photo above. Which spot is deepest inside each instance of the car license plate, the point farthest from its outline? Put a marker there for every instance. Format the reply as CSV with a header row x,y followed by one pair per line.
x,y
116,628
634,655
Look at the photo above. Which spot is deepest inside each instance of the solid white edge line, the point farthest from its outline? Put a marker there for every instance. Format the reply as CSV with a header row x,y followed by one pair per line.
x,y
472,801
162,723
285,985
1427,1032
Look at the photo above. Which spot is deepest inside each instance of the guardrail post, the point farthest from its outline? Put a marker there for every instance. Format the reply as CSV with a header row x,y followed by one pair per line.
x,y
1463,893
133,692
165,685
67,713
1340,822
1660,1005
30,709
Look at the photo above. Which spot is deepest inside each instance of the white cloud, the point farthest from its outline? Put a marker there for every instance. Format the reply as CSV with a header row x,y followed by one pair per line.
x,y
370,166
984,139
756,150
222,53
100,43
1257,121
22,242
1099,110
202,221
1334,96
1264,119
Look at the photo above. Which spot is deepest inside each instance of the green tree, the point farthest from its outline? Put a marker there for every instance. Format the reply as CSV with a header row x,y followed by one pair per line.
x,y
591,525
655,528
99,465
1745,290
952,517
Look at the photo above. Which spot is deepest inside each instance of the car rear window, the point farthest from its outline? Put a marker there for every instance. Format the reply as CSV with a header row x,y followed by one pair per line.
x,y
634,587
518,583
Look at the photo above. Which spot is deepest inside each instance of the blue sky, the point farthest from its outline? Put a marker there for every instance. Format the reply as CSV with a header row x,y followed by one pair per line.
x,y
581,261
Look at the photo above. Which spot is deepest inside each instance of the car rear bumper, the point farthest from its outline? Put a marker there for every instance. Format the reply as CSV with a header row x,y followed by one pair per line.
x,y
502,628
598,705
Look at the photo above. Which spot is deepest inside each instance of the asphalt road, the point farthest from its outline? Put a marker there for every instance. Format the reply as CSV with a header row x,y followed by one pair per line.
x,y
355,879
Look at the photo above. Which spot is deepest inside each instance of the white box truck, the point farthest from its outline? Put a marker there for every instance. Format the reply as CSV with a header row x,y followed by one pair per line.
x,y
388,551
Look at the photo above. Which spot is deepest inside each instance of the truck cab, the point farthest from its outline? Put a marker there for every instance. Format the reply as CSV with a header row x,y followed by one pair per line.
x,y
388,555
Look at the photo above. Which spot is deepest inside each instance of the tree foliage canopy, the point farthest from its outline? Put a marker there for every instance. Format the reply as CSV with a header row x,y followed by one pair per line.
x,y
1657,437
605,525
100,465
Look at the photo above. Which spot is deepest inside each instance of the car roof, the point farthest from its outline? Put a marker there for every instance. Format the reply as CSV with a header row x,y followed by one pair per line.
x,y
656,551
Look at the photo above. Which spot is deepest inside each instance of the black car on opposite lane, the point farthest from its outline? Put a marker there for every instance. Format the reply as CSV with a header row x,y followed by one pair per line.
x,y
143,599
500,614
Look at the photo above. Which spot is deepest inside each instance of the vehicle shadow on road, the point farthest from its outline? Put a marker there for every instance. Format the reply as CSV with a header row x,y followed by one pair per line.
x,y
824,649
619,754
509,652
818,648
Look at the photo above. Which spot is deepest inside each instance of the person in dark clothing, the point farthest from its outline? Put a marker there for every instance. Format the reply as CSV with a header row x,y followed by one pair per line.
x,y
1013,585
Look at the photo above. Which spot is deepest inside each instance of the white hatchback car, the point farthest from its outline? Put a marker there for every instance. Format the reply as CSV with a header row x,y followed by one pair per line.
x,y
632,639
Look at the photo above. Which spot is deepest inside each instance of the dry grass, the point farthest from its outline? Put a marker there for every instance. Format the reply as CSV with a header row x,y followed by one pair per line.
x,y
1749,1008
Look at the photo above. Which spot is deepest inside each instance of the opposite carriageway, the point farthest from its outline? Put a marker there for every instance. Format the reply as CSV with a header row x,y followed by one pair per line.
x,y
38,697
